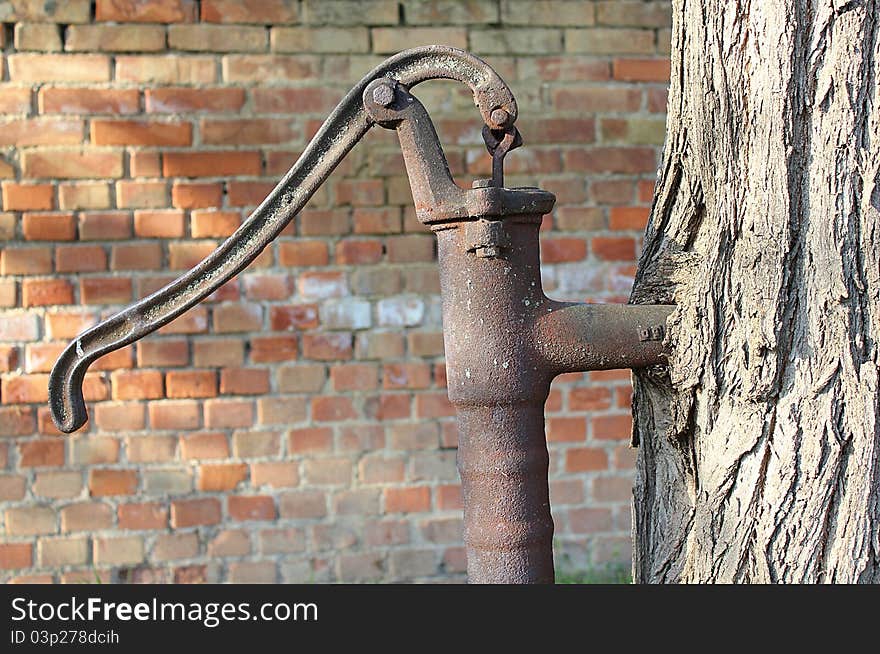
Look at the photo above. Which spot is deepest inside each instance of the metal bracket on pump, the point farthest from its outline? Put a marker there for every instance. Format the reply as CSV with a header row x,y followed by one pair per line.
x,y
504,339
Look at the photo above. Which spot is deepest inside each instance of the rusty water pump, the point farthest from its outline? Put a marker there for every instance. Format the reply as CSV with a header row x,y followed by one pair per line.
x,y
504,339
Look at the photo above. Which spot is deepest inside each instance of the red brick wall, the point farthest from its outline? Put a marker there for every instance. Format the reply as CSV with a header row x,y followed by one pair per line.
x,y
295,427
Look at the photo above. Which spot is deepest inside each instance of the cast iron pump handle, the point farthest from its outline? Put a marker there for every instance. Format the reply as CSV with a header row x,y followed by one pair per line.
x,y
380,97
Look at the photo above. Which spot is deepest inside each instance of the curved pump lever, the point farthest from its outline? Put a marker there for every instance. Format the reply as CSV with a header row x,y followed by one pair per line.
x,y
340,132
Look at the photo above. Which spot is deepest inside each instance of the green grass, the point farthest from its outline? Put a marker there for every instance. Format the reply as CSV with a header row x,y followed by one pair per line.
x,y
606,574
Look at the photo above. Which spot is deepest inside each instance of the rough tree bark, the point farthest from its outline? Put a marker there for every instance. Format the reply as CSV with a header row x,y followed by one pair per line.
x,y
759,446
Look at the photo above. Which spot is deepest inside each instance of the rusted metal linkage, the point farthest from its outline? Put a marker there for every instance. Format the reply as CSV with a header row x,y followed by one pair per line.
x,y
504,339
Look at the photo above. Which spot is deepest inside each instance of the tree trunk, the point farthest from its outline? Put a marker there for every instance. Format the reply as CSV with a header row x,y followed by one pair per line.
x,y
760,444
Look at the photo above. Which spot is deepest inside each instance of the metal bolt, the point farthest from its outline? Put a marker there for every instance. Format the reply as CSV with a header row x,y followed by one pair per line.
x,y
499,117
383,95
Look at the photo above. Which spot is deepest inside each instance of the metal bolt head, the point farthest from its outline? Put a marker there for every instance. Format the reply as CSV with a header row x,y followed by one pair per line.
x,y
499,117
383,95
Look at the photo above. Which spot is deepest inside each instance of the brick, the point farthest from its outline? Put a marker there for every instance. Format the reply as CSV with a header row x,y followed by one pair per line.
x,y
203,446
358,252
94,450
48,226
261,507
278,541
58,68
333,471
131,132
23,261
221,414
104,226
138,194
214,224
302,504
589,399
310,440
119,416
159,224
71,165
230,542
247,194
217,38
269,68
381,469
30,521
137,384
534,40
191,383
613,427
249,11
589,520
19,197
327,346
41,131
195,512
187,195
584,459
62,100
613,248
112,482
275,474
316,222
643,14
414,499
303,252
165,69
218,352
391,40
15,556
400,311
244,381
12,487
115,38
257,572
332,409
24,389
151,449
41,453
629,218
267,287
566,429
233,318
611,160
248,131
380,345
602,40
560,250
85,195
546,12
155,11
162,353
105,290
183,256
641,70
176,546
86,516
293,317
599,99
320,39
15,100
376,221
186,100
211,164
118,551
58,552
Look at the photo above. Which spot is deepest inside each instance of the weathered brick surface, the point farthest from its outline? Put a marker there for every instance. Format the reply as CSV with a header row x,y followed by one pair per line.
x,y
295,427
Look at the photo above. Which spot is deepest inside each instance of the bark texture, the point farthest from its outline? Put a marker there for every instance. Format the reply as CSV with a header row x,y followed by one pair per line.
x,y
760,444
